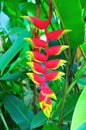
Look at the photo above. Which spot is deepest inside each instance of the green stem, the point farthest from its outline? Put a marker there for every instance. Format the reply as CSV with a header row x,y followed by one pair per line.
x,y
46,15
64,99
3,119
77,76
83,54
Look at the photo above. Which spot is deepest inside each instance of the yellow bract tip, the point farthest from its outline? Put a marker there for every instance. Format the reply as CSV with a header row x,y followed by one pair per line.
x,y
53,96
64,47
29,52
30,63
27,17
28,39
32,78
67,30
63,61
59,75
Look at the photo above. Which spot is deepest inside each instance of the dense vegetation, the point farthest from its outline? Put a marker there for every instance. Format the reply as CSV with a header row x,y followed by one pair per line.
x,y
19,98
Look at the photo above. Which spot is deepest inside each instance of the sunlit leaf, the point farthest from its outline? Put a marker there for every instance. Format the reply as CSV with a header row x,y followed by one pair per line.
x,y
79,115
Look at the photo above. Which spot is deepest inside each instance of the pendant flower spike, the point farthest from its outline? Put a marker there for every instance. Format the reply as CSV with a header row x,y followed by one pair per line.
x,y
40,64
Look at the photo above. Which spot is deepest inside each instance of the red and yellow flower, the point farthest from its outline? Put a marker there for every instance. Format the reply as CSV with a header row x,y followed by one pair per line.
x,y
42,67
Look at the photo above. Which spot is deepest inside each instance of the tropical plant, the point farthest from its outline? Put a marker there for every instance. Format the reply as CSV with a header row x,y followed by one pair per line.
x,y
42,86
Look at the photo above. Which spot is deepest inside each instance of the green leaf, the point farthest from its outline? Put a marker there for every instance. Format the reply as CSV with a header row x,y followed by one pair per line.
x,y
31,7
78,75
68,109
70,13
79,115
69,106
12,51
13,76
17,30
38,120
82,81
18,111
82,126
83,3
51,127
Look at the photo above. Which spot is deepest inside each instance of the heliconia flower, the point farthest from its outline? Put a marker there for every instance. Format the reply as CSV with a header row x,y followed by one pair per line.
x,y
54,75
39,23
47,91
37,43
37,79
39,62
55,50
36,67
37,56
45,104
54,64
56,34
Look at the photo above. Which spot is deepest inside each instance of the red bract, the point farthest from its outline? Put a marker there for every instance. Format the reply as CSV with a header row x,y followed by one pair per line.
x,y
37,43
45,103
55,34
47,91
54,75
55,50
54,64
39,23
36,67
39,63
37,79
37,56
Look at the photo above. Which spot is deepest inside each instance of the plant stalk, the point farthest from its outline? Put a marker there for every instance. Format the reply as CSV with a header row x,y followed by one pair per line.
x,y
3,119
63,100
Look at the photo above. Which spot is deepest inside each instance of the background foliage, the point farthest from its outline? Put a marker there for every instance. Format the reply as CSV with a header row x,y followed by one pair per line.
x,y
19,108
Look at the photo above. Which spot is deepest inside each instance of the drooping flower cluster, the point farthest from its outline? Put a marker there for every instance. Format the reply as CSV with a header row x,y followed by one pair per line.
x,y
44,69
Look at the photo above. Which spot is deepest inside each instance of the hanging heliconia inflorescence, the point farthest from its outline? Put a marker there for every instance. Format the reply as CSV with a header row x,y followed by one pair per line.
x,y
44,69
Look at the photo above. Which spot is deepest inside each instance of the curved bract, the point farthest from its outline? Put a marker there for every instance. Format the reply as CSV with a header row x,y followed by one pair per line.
x,y
55,64
37,43
37,79
54,75
56,50
37,56
39,23
56,34
36,67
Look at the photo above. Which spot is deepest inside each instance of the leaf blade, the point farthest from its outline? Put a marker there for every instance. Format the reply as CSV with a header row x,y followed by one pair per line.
x,y
12,51
79,115
18,111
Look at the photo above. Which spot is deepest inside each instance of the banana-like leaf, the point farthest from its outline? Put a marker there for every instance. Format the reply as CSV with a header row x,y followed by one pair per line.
x,y
18,111
79,115
70,13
